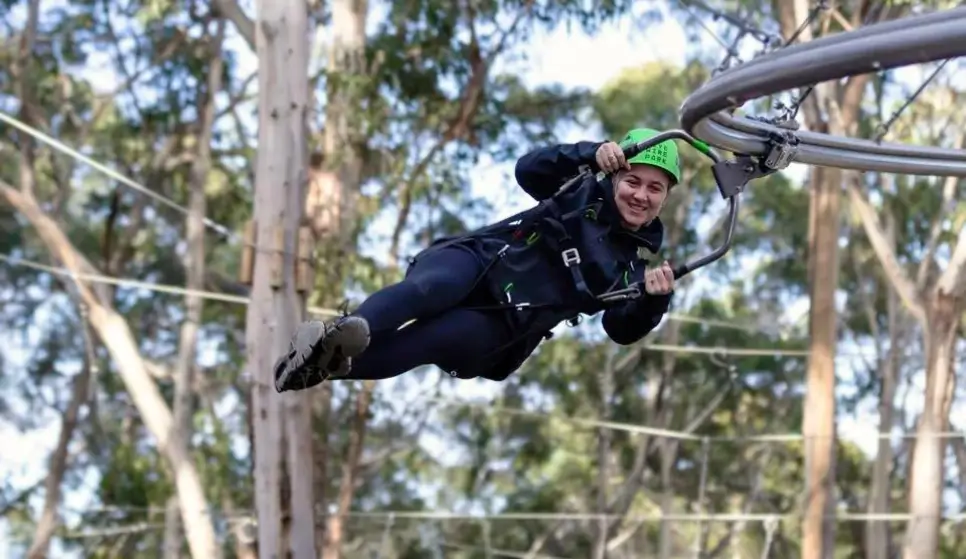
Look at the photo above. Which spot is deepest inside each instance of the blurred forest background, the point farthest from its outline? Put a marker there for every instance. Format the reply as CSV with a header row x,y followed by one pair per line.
x,y
127,402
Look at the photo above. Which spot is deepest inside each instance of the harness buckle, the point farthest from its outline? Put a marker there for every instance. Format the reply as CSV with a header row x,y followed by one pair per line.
x,y
570,257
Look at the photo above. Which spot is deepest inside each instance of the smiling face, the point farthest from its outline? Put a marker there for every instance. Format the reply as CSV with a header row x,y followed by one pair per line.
x,y
640,194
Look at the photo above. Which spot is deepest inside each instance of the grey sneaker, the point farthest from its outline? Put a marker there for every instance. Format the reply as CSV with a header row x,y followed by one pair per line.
x,y
319,351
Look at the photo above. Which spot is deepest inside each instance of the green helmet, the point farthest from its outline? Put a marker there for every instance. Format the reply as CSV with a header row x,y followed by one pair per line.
x,y
663,155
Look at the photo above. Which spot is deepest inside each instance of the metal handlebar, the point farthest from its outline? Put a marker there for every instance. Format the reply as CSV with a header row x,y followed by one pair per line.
x,y
731,176
675,134
688,267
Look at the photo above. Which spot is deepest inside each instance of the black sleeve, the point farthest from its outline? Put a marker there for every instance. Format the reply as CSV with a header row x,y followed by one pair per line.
x,y
542,171
631,321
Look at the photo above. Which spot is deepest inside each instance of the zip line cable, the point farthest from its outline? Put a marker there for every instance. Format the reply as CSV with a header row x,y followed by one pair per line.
x,y
71,152
589,516
219,228
669,433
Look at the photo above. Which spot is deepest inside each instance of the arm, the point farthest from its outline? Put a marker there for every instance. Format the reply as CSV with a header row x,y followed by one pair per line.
x,y
631,321
541,172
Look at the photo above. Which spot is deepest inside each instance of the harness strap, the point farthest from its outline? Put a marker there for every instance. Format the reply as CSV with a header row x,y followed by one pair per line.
x,y
562,242
506,225
549,216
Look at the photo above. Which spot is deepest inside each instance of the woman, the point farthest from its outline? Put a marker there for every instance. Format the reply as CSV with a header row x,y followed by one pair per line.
x,y
480,304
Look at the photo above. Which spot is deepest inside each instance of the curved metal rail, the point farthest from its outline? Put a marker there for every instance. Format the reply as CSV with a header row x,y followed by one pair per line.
x,y
873,48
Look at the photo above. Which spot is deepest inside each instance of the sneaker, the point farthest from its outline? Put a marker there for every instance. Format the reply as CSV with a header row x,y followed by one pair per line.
x,y
319,351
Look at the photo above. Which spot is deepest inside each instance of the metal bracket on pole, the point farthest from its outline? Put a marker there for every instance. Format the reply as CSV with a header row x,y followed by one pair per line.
x,y
304,261
246,268
278,257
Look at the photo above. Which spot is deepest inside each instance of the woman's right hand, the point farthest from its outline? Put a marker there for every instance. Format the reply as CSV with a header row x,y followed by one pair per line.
x,y
610,158
660,280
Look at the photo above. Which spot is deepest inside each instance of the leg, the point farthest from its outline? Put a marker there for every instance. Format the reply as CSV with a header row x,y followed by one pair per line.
x,y
437,282
449,341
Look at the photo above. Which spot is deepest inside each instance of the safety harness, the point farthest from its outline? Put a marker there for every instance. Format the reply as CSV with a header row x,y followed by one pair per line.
x,y
546,223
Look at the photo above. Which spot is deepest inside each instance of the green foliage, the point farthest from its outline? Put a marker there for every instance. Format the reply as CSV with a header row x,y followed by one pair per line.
x,y
538,446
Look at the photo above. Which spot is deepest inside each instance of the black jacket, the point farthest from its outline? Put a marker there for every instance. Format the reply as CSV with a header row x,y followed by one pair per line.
x,y
525,267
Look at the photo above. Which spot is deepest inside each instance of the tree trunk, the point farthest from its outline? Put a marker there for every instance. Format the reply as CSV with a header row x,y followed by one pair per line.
x,y
604,437
819,416
668,454
282,47
926,482
25,90
818,422
117,337
58,459
938,317
334,533
171,546
959,452
841,104
877,532
346,60
194,265
331,209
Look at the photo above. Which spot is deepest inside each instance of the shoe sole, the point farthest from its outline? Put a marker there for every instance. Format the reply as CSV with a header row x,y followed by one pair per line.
x,y
315,345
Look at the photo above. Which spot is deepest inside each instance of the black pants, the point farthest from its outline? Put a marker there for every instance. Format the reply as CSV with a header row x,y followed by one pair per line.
x,y
444,334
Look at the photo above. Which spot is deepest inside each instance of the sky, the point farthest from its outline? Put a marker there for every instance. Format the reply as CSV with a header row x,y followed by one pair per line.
x,y
571,58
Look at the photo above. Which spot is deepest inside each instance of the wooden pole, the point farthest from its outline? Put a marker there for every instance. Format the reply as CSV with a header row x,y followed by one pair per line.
x,y
282,424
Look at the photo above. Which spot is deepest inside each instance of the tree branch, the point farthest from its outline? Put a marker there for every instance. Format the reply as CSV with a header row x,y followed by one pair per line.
x,y
350,469
952,283
959,451
194,264
59,457
460,126
21,499
946,208
606,384
935,231
116,335
457,128
854,89
25,93
230,10
887,257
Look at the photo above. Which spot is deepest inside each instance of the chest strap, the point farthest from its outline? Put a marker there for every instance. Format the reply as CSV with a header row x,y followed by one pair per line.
x,y
560,241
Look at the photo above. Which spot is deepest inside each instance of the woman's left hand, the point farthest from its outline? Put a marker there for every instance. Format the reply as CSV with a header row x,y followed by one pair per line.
x,y
610,158
659,281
